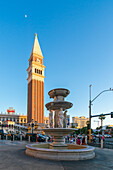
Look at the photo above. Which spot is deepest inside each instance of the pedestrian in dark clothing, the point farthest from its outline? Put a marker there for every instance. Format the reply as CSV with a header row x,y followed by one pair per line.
x,y
11,137
99,139
83,141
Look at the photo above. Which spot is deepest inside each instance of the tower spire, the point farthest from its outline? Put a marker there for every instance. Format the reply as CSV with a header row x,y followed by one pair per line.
x,y
36,47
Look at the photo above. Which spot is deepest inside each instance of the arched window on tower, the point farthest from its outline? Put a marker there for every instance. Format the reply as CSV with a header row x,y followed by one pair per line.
x,y
35,70
41,72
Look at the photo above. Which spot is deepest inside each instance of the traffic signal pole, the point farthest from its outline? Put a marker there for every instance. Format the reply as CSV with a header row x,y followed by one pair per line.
x,y
90,103
90,114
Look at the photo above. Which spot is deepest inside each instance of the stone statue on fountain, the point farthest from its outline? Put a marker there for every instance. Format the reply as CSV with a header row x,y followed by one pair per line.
x,y
51,119
60,118
65,120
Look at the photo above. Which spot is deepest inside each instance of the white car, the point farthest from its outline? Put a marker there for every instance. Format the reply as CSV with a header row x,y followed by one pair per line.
x,y
107,136
98,135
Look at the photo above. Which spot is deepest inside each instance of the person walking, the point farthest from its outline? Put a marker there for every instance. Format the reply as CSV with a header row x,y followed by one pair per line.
x,y
71,139
78,141
99,139
83,141
37,137
103,138
11,137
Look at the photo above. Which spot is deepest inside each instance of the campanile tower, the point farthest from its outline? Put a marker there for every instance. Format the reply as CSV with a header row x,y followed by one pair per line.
x,y
35,101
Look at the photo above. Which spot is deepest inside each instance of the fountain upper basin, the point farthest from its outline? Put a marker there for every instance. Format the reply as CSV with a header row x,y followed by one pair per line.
x,y
56,105
58,92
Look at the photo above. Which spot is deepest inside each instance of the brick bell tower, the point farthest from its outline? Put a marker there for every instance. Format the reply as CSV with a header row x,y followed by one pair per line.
x,y
35,100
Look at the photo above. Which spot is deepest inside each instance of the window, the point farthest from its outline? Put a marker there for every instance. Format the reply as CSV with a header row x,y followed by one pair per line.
x,y
21,120
38,71
24,120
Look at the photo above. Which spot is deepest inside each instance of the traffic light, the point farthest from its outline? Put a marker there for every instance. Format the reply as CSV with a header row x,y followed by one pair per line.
x,y
111,114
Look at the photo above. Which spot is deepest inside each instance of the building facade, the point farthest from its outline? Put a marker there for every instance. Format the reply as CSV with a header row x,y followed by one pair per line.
x,y
80,122
35,101
11,116
46,121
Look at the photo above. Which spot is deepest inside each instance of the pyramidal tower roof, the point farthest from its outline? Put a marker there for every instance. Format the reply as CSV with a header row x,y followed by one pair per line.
x,y
36,47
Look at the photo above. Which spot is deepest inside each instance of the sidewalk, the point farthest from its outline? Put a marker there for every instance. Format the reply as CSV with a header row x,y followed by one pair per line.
x,y
12,156
15,142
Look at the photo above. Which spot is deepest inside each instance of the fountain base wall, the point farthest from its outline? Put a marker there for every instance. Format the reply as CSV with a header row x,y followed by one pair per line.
x,y
80,153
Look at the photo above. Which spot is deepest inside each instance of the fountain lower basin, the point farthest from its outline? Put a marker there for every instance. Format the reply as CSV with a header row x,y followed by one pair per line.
x,y
72,153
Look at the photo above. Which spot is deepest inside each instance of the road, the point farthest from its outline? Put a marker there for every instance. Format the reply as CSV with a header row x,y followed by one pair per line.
x,y
109,140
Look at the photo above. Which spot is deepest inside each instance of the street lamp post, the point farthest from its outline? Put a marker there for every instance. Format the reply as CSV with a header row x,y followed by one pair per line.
x,y
32,125
90,104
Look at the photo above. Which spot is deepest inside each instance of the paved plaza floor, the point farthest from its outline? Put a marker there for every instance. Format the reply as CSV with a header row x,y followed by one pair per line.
x,y
13,157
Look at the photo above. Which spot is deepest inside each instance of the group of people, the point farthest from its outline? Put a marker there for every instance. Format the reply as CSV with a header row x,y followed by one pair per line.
x,y
76,140
81,142
93,138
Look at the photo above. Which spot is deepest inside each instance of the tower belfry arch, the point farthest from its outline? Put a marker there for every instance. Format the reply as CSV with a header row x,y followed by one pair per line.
x,y
35,100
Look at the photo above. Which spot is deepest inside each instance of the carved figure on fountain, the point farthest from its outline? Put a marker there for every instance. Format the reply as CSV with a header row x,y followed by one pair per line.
x,y
65,120
56,119
60,118
51,119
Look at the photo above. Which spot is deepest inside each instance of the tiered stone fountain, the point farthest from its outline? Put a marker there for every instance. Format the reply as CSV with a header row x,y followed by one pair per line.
x,y
58,149
60,129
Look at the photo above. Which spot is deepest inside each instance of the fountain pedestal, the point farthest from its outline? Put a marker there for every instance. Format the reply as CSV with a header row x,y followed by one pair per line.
x,y
58,135
58,143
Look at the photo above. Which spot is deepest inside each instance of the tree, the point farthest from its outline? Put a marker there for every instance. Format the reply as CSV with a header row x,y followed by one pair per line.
x,y
102,117
98,128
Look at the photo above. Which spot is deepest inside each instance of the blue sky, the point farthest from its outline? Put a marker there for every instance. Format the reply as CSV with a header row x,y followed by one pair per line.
x,y
76,38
